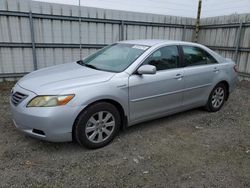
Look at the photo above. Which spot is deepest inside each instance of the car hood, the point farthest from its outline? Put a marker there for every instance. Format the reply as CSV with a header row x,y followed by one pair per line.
x,y
58,78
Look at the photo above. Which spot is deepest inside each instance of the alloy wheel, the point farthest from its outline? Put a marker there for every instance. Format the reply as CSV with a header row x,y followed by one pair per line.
x,y
100,126
218,97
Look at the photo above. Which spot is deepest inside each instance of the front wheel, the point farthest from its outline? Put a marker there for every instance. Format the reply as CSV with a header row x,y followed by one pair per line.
x,y
216,98
97,125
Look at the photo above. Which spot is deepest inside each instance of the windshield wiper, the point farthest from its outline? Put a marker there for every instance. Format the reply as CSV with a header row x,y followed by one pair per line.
x,y
91,66
80,62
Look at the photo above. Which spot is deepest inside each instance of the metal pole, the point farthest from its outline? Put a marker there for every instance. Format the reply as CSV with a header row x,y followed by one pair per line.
x,y
33,41
80,28
237,46
184,32
122,30
197,25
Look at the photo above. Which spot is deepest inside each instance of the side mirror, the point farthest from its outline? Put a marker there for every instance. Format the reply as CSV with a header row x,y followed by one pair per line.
x,y
146,69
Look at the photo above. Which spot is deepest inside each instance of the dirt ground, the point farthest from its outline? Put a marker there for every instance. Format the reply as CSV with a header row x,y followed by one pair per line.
x,y
190,149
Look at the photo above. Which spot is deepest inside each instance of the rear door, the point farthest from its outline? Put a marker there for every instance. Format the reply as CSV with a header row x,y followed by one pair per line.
x,y
200,71
153,95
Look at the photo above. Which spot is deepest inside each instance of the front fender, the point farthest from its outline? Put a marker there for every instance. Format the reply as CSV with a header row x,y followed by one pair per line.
x,y
104,91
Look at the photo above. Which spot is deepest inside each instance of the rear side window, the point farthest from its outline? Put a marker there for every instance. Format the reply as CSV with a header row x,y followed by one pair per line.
x,y
164,58
197,56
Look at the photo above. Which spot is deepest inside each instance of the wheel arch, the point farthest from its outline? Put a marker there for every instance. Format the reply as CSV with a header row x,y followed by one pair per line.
x,y
226,84
118,106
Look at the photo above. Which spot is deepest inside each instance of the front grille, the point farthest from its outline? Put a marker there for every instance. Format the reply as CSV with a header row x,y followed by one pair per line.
x,y
17,98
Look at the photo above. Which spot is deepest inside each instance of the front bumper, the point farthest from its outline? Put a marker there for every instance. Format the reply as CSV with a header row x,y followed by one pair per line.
x,y
46,123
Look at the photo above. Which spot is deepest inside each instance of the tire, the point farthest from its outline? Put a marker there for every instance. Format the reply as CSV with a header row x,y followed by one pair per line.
x,y
216,98
97,126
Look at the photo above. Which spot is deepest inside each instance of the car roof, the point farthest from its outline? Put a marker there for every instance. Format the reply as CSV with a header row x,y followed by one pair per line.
x,y
153,42
157,42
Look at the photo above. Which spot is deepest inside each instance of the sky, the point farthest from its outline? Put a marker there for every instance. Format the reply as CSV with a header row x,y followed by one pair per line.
x,y
185,8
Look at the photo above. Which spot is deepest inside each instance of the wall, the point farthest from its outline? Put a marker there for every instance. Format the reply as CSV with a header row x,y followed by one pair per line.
x,y
56,32
225,35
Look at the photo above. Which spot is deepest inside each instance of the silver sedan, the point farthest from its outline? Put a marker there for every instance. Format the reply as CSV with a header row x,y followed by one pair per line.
x,y
118,86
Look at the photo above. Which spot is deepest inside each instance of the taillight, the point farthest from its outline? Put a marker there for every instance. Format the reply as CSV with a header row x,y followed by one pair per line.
x,y
235,68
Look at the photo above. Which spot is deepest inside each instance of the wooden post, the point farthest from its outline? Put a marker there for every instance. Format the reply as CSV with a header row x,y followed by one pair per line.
x,y
197,25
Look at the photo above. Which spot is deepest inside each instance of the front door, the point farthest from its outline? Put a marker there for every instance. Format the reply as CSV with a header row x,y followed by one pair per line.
x,y
160,93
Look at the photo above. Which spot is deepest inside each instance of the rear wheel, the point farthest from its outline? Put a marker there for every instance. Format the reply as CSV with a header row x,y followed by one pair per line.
x,y
97,125
216,98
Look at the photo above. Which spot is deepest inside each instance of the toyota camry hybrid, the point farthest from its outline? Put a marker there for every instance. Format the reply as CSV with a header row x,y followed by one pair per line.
x,y
120,85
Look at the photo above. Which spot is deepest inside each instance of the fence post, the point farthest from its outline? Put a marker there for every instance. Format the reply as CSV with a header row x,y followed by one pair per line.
x,y
184,32
122,30
33,40
80,28
237,43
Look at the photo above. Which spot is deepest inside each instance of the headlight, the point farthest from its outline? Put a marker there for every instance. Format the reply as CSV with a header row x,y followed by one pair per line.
x,y
49,101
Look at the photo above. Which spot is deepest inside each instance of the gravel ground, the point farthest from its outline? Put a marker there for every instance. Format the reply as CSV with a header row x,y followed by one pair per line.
x,y
190,149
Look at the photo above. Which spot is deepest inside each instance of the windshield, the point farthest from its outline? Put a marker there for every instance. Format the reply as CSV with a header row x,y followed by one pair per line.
x,y
115,58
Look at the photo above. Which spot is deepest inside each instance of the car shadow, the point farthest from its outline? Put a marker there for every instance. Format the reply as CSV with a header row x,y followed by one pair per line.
x,y
163,120
152,124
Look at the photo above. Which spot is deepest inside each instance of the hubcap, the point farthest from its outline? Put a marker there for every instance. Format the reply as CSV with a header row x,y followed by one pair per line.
x,y
218,97
100,126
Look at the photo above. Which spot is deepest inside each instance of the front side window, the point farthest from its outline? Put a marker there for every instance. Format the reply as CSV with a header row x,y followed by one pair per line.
x,y
196,56
114,58
164,58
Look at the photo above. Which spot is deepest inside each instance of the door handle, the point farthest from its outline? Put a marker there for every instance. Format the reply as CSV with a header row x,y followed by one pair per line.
x,y
216,70
178,76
